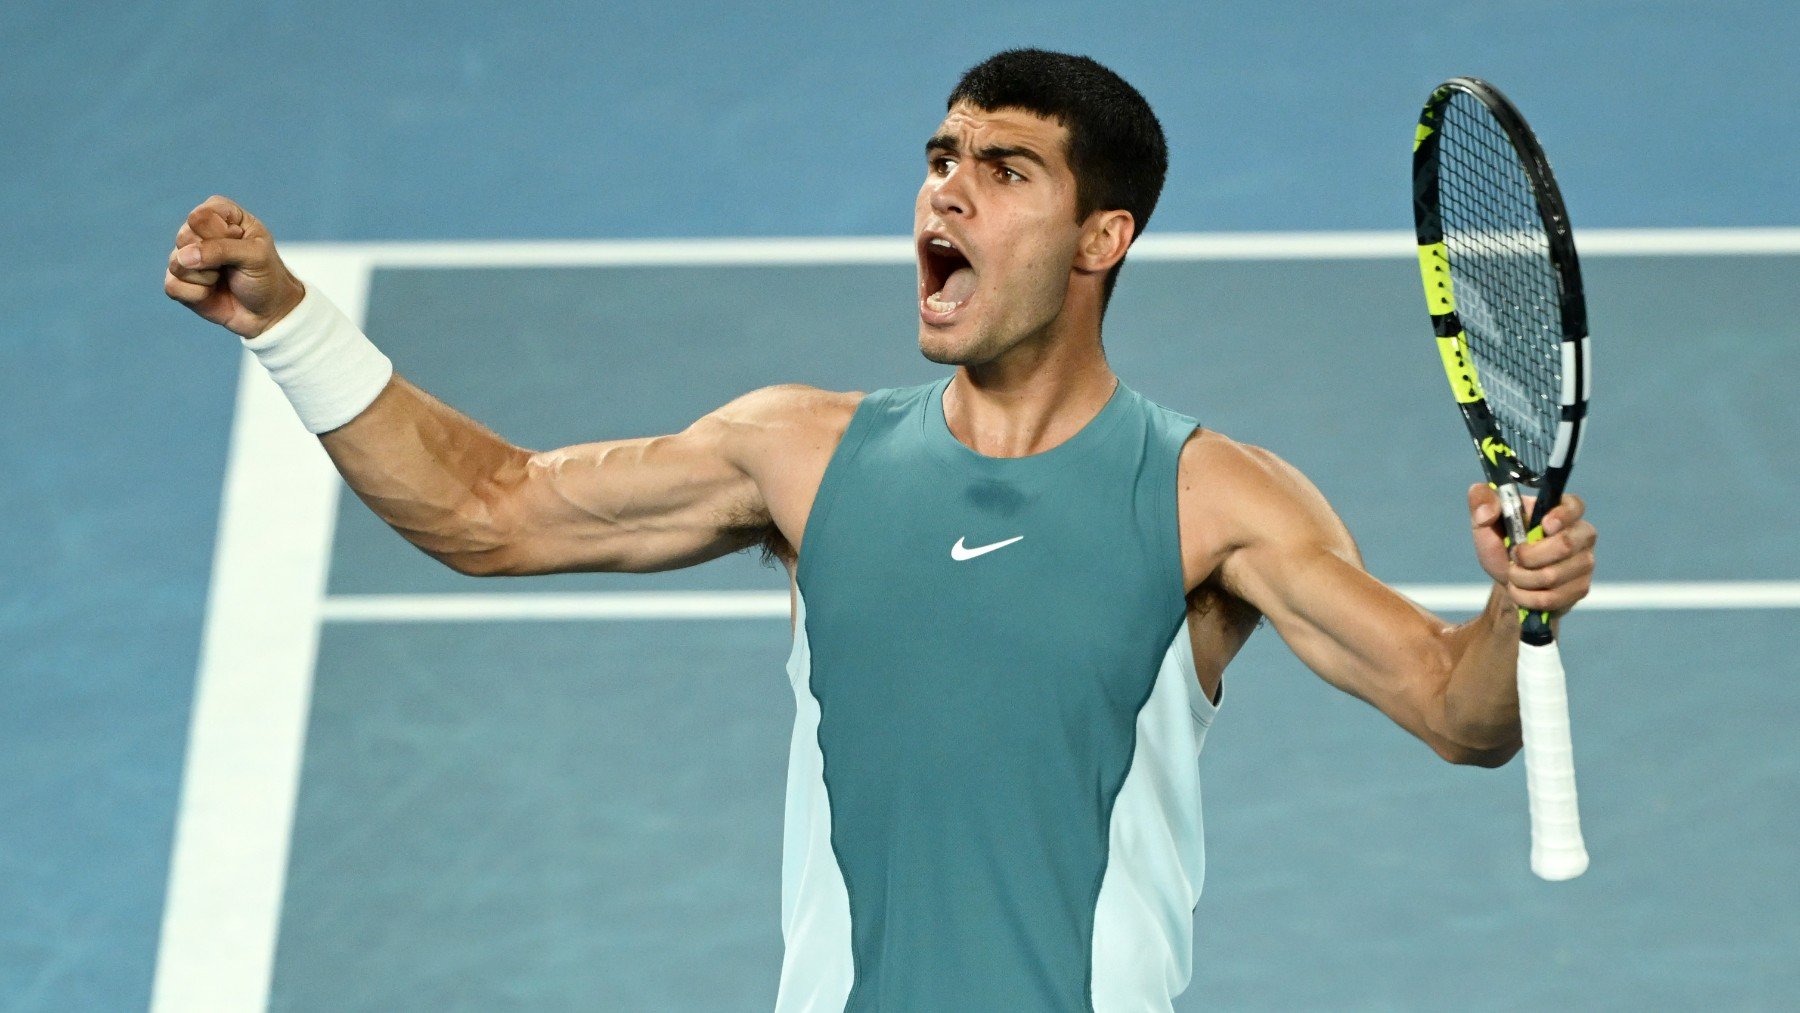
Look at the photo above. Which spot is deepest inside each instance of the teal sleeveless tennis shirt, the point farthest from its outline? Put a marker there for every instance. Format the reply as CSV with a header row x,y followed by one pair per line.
x,y
993,785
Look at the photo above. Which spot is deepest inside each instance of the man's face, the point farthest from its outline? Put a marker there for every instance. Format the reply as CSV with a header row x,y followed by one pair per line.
x,y
996,233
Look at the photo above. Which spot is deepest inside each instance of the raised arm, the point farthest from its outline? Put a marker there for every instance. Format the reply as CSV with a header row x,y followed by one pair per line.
x,y
451,486
483,506
1279,546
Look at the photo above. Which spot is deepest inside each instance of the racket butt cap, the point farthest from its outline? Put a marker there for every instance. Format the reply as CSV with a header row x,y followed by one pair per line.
x,y
1559,865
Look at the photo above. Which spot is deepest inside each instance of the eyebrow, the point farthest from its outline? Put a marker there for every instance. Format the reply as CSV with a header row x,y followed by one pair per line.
x,y
992,153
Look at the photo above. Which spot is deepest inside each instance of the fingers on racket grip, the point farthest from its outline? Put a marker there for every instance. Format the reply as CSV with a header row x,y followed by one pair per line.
x,y
1557,851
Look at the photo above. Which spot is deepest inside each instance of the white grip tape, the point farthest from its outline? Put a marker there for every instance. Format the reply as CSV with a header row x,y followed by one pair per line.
x,y
324,364
1557,851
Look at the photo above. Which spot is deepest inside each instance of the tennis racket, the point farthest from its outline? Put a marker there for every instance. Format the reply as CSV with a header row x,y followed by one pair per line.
x,y
1504,290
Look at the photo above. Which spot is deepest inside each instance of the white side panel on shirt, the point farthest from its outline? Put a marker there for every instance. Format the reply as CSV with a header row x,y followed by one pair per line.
x,y
816,969
1156,859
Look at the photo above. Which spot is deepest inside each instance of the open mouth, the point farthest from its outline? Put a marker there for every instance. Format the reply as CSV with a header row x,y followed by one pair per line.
x,y
946,278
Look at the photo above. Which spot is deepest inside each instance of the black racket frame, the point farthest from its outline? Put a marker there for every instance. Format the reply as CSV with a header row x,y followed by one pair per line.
x,y
1498,462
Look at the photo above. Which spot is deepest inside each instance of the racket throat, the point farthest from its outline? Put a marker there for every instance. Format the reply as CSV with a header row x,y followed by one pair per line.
x,y
1534,627
1512,507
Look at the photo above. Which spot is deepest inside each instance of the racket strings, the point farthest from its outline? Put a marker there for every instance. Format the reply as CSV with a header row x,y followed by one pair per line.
x,y
1506,286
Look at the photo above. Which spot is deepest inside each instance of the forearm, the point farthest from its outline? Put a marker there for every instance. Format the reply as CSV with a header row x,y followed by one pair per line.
x,y
436,476
1479,706
432,473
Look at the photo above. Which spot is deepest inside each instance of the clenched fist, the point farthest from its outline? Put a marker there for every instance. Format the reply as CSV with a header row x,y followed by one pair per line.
x,y
225,268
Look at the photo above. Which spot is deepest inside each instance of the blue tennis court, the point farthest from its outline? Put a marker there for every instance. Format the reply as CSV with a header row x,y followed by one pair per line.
x,y
410,790
538,791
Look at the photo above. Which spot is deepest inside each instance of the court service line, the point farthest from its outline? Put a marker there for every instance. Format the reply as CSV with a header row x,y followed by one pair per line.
x,y
501,607
844,250
247,733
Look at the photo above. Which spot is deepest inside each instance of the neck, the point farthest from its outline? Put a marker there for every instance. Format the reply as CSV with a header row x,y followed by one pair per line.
x,y
1037,394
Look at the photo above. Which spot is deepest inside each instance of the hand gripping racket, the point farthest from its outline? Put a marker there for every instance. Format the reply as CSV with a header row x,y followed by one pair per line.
x,y
1504,289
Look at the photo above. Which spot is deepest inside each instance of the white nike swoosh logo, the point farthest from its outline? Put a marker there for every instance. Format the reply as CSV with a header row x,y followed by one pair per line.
x,y
959,553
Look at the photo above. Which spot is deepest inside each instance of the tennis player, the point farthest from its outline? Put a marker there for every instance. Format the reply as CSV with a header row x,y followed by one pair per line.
x,y
1015,589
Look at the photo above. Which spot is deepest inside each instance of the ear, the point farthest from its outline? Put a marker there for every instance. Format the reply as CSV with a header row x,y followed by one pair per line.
x,y
1105,237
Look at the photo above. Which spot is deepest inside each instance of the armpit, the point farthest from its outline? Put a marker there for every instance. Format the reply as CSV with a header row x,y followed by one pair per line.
x,y
754,530
1219,623
1215,605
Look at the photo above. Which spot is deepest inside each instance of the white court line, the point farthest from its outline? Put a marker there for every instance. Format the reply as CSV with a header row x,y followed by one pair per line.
x,y
1174,246
504,607
478,607
266,604
232,829
1633,596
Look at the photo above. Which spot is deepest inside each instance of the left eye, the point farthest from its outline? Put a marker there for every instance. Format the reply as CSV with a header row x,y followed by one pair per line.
x,y
1010,175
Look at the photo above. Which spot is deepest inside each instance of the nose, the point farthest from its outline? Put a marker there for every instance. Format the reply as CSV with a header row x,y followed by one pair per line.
x,y
949,197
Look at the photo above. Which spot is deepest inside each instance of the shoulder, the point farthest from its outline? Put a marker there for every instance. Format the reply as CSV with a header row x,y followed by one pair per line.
x,y
1240,494
790,402
780,438
1210,457
770,424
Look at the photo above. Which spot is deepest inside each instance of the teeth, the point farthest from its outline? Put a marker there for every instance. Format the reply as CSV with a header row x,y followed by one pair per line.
x,y
942,244
938,305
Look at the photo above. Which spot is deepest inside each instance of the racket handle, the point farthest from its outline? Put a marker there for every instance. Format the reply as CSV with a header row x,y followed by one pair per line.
x,y
1557,851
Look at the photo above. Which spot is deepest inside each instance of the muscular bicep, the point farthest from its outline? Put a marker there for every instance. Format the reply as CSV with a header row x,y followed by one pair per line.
x,y
1294,560
625,504
733,479
637,505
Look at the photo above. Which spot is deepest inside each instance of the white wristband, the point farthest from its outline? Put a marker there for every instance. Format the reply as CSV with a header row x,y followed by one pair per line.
x,y
324,364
